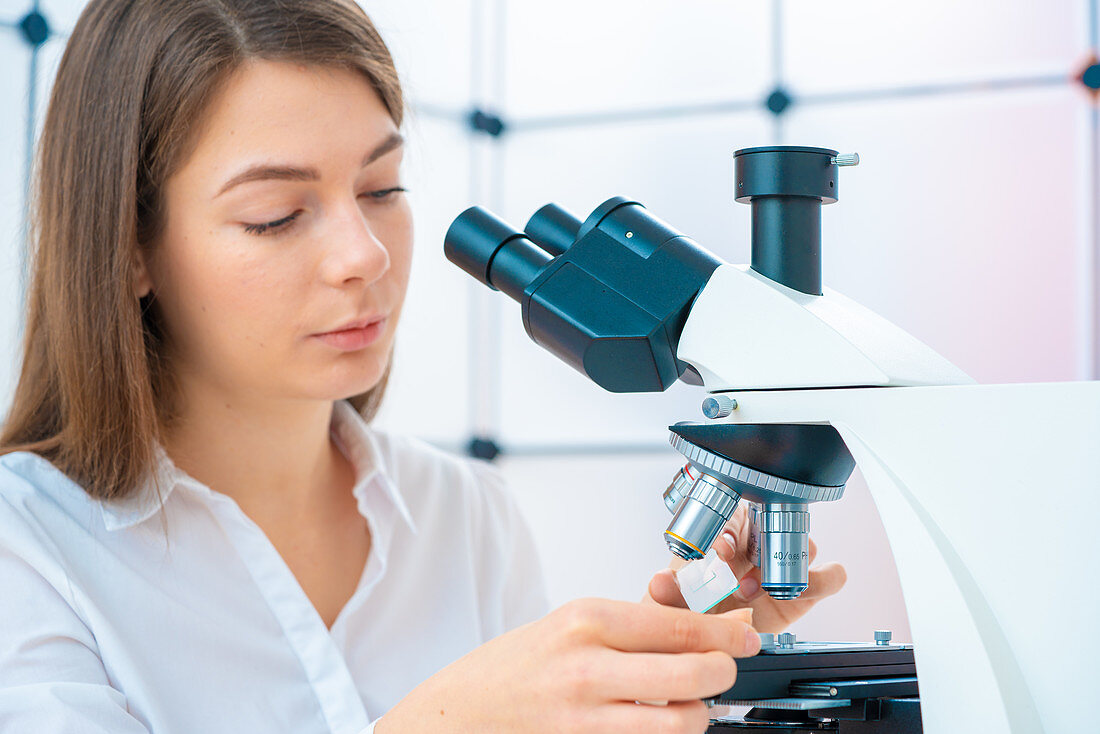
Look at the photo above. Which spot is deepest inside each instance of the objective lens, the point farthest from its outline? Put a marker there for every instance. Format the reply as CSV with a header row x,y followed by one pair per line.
x,y
700,517
681,485
784,543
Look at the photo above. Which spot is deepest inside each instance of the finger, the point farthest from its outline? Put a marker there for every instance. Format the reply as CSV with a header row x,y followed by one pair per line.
x,y
735,556
652,628
663,589
825,580
813,550
750,588
690,717
644,676
724,547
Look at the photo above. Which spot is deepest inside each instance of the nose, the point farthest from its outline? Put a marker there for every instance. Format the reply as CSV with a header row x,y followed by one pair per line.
x,y
353,251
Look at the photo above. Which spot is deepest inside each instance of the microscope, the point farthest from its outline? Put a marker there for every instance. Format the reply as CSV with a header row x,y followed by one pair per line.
x,y
802,385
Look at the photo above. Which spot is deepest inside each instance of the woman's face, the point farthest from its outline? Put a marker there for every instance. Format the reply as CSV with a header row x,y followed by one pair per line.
x,y
284,259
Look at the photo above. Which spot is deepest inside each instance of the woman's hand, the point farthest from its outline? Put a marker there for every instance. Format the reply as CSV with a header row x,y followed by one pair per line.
x,y
582,668
769,615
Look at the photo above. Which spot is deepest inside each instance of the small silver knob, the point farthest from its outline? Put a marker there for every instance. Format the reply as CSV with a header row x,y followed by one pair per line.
x,y
767,639
719,406
883,637
845,159
787,640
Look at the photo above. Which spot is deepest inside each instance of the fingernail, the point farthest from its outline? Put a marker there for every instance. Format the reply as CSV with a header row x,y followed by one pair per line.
x,y
752,641
730,537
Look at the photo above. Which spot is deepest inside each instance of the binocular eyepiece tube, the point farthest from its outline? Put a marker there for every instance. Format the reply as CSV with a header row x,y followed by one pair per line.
x,y
488,248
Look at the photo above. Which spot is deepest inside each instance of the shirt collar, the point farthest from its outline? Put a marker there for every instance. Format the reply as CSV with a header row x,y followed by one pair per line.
x,y
353,436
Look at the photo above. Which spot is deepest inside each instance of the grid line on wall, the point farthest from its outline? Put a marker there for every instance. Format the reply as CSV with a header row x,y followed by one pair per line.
x,y
1094,188
1094,25
1094,223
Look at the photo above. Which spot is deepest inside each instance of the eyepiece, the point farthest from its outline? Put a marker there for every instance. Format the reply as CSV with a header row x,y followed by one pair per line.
x,y
553,229
488,248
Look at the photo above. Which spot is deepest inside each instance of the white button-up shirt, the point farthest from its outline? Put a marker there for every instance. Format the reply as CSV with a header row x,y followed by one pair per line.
x,y
175,613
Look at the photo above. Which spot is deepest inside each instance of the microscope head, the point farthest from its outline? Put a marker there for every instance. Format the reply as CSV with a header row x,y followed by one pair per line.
x,y
608,296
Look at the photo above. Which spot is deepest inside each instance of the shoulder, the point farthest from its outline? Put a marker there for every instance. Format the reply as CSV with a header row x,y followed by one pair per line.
x,y
46,520
32,488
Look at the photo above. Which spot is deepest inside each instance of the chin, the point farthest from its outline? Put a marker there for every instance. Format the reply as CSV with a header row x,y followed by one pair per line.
x,y
345,383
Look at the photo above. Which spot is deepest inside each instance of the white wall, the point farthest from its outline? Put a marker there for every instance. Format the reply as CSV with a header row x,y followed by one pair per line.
x,y
970,222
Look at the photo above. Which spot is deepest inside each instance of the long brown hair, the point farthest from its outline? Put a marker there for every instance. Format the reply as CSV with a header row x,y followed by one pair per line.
x,y
96,390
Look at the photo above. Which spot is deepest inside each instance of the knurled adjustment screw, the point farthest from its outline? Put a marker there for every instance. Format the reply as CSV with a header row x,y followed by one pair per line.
x,y
718,406
787,640
845,159
883,637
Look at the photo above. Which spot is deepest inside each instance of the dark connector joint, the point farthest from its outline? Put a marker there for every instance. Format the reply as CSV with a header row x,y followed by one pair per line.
x,y
485,122
35,28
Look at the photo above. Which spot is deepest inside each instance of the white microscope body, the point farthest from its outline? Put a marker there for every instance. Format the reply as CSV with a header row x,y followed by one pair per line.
x,y
989,494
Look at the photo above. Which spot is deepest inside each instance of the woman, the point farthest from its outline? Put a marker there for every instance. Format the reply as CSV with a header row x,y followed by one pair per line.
x,y
199,532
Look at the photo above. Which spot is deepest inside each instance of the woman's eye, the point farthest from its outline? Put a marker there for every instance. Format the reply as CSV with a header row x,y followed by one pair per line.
x,y
268,227
385,194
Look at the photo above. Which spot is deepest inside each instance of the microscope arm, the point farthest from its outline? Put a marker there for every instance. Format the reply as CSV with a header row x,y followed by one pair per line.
x,y
748,332
988,496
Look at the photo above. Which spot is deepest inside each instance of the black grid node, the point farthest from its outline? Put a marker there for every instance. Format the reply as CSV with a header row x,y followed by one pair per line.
x,y
1090,77
488,123
778,101
35,28
483,448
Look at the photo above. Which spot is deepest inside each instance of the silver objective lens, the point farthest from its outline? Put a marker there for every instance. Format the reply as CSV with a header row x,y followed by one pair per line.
x,y
699,517
784,541
679,488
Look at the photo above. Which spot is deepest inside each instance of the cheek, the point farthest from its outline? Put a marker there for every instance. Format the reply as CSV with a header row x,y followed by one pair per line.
x,y
400,238
225,290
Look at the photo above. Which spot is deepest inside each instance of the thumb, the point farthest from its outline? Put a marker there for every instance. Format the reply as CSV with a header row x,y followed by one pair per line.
x,y
664,590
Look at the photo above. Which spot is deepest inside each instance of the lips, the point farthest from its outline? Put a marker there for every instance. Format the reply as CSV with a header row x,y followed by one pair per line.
x,y
354,335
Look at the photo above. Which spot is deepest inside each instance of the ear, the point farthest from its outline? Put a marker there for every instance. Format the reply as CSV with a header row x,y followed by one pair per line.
x,y
142,281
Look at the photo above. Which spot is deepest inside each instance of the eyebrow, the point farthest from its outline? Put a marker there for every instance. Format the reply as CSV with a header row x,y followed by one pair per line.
x,y
265,172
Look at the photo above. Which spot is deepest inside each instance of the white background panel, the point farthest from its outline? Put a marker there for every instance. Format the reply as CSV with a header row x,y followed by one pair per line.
x,y
866,44
12,11
598,524
428,392
15,60
62,14
583,56
962,224
430,41
682,172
